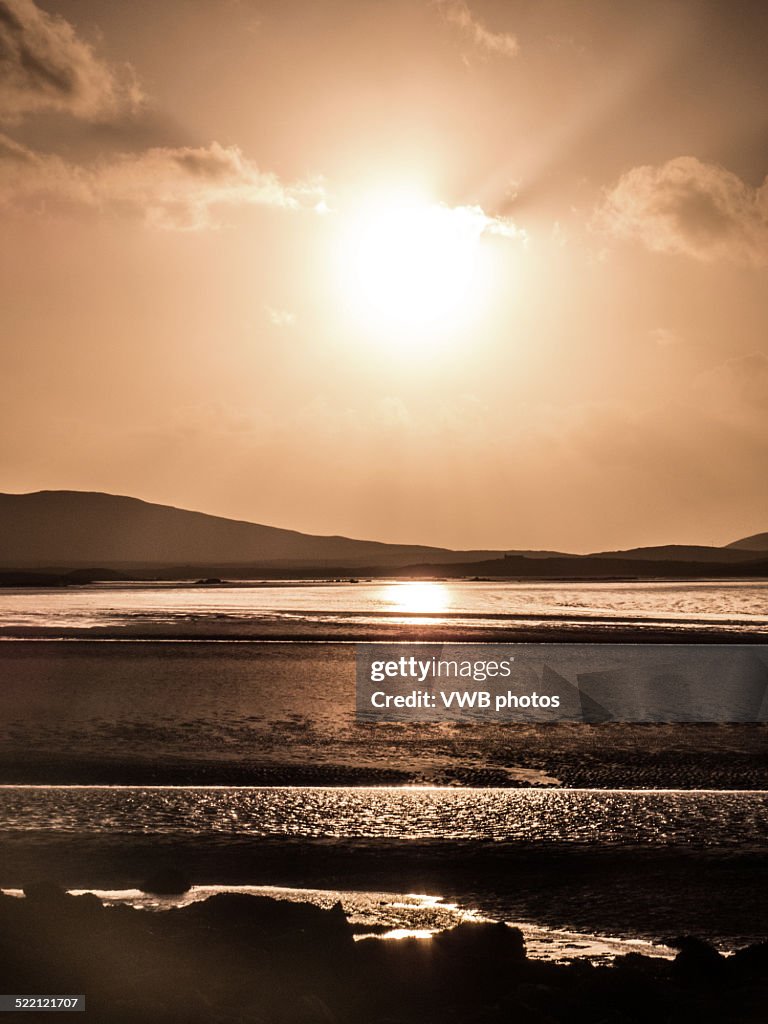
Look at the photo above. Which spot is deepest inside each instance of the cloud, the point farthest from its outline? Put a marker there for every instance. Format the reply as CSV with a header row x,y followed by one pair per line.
x,y
473,221
177,188
457,13
691,208
44,66
14,152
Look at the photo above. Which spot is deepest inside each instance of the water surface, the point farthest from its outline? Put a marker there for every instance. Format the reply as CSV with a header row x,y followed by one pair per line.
x,y
602,818
255,609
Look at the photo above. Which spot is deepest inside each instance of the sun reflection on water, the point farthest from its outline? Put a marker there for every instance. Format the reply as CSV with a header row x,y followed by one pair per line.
x,y
417,597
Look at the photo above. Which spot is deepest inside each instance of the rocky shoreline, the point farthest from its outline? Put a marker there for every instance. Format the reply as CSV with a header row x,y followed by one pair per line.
x,y
641,892
256,960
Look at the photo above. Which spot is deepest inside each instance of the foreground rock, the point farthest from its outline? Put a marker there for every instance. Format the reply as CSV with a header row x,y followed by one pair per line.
x,y
255,960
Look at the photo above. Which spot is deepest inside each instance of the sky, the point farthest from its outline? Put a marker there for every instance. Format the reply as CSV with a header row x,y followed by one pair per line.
x,y
481,275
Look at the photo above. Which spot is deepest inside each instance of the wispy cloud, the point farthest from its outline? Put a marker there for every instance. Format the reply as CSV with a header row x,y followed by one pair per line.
x,y
179,188
487,224
689,207
45,66
472,222
458,14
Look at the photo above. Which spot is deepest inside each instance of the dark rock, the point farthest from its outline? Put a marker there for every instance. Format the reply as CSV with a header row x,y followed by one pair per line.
x,y
490,941
750,963
262,914
44,891
698,962
238,958
642,963
86,903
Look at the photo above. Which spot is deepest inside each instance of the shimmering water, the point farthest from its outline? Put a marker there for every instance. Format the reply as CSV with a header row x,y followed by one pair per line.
x,y
284,712
250,609
697,820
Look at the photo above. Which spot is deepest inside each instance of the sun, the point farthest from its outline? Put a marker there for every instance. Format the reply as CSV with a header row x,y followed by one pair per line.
x,y
410,268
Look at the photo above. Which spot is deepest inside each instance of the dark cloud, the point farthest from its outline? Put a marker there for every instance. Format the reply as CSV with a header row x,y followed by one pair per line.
x,y
45,66
171,188
13,153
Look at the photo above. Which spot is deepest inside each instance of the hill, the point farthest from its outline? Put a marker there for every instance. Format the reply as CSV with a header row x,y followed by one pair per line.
x,y
69,532
683,553
589,567
757,542
55,529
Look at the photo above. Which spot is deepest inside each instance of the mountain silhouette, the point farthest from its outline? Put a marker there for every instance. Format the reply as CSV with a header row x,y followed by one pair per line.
x,y
69,530
757,542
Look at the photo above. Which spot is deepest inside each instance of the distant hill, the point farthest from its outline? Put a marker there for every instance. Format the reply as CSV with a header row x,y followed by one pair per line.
x,y
66,529
757,542
67,533
683,553
590,567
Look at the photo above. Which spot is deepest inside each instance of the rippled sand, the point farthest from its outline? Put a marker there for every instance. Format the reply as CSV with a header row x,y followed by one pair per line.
x,y
277,713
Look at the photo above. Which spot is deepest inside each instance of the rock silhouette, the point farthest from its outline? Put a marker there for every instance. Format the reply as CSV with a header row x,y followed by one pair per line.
x,y
254,960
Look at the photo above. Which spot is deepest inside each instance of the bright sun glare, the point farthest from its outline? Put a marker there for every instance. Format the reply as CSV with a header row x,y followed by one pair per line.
x,y
417,597
411,268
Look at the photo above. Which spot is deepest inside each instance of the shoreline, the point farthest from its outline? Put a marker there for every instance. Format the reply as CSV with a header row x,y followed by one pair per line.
x,y
519,630
392,916
626,891
246,957
185,776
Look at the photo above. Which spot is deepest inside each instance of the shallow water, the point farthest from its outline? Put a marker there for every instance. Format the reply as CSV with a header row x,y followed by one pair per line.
x,y
632,864
602,818
243,609
277,712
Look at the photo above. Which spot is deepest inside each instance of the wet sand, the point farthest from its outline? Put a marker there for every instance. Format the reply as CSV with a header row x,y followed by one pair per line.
x,y
283,714
396,627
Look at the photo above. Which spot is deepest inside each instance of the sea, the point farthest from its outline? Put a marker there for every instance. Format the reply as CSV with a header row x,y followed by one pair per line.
x,y
223,714
323,609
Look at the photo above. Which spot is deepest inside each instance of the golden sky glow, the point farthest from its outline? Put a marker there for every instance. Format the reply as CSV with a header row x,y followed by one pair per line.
x,y
474,274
